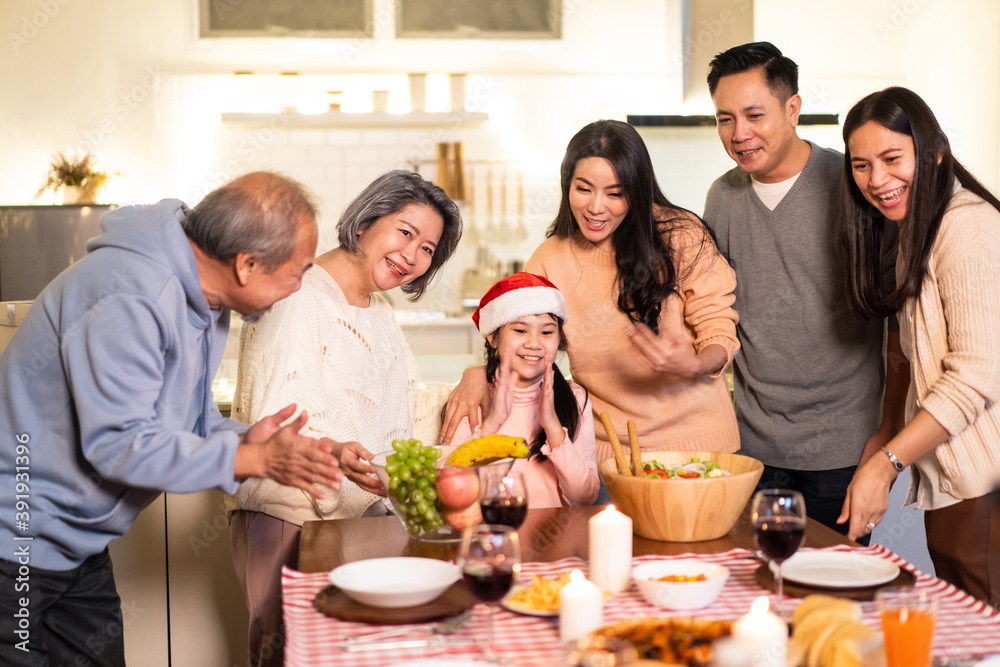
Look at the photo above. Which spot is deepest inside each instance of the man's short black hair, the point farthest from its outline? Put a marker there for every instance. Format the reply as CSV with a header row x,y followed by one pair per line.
x,y
781,72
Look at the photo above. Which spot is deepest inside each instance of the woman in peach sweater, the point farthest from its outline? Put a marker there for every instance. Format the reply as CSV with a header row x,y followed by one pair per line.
x,y
650,301
900,170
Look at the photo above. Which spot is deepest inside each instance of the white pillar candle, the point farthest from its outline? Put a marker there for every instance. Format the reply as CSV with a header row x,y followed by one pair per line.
x,y
610,550
764,635
581,607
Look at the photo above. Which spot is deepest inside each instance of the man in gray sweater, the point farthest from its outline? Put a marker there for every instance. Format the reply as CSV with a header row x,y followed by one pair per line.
x,y
809,375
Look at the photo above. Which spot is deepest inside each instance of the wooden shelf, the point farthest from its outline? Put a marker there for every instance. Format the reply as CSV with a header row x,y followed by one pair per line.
x,y
373,119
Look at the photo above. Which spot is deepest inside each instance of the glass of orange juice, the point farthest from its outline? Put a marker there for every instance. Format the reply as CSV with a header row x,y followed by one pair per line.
x,y
908,617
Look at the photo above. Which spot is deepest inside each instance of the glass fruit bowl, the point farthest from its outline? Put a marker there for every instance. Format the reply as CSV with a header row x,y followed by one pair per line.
x,y
433,501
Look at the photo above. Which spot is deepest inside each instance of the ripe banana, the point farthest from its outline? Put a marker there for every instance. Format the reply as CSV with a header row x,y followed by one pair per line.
x,y
487,449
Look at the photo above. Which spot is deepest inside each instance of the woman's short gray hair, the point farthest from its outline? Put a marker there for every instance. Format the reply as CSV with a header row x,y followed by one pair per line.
x,y
258,214
390,193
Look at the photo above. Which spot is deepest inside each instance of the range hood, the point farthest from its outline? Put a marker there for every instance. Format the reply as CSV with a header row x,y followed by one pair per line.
x,y
709,121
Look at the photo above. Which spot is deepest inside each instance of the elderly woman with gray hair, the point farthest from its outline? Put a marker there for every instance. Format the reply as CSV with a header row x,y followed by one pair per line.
x,y
335,350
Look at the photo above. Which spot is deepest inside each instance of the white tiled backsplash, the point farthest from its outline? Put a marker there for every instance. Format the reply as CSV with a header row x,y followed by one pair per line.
x,y
337,163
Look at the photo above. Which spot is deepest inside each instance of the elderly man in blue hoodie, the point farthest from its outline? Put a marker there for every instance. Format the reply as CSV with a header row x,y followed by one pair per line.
x,y
106,401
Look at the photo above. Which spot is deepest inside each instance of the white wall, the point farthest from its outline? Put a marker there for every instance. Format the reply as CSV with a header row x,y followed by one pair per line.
x,y
134,83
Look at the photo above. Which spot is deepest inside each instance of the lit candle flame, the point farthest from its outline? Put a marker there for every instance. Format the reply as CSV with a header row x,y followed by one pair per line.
x,y
576,576
759,606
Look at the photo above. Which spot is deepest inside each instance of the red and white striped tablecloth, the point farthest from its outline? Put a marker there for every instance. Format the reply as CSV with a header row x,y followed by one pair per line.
x,y
965,626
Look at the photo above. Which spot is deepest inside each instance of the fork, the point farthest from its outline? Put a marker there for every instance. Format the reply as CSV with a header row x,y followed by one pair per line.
x,y
444,627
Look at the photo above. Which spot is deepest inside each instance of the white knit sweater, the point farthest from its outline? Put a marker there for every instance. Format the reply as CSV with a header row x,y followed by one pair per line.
x,y
349,367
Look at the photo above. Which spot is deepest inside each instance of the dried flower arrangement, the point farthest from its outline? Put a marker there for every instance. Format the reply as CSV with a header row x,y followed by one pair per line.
x,y
74,173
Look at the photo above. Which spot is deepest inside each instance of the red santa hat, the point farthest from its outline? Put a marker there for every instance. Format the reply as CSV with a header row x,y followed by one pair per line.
x,y
515,296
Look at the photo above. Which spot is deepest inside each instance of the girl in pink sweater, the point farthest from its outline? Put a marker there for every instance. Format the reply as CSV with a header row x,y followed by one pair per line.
x,y
521,318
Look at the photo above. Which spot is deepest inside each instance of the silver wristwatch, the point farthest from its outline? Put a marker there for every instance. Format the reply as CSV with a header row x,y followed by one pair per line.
x,y
896,463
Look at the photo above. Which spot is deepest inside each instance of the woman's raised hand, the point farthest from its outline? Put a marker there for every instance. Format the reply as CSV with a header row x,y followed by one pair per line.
x,y
466,400
670,353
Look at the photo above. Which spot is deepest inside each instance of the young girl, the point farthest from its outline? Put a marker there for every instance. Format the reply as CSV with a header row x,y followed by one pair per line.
x,y
901,171
521,318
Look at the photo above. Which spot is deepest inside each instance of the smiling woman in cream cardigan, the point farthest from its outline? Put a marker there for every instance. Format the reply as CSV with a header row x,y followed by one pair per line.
x,y
901,171
334,349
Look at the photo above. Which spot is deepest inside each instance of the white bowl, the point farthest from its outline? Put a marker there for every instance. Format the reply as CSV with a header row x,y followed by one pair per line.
x,y
680,595
395,582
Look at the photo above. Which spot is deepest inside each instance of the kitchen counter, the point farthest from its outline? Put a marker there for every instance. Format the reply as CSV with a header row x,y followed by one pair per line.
x,y
431,333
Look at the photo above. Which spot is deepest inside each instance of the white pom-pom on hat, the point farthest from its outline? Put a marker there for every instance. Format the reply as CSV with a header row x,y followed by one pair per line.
x,y
515,296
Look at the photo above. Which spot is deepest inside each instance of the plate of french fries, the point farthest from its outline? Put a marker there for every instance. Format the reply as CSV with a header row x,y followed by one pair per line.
x,y
539,598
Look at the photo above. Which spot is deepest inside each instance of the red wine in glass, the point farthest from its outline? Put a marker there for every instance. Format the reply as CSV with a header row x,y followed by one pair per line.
x,y
488,583
509,511
503,498
779,537
490,558
778,521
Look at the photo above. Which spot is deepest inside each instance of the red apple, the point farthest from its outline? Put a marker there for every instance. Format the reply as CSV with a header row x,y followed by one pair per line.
x,y
458,487
462,518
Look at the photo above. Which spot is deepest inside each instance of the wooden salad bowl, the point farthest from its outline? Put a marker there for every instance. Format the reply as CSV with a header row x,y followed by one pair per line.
x,y
683,510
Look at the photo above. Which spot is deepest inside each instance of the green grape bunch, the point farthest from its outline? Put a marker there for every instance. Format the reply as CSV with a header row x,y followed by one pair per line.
x,y
413,472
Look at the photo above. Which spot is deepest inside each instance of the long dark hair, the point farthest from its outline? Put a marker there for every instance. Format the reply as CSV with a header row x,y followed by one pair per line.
x,y
647,271
567,408
903,111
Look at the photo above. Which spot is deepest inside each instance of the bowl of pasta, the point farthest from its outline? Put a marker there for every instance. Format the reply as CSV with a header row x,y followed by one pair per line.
x,y
683,496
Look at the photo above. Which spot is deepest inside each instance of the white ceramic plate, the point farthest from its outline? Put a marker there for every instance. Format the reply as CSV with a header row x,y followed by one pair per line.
x,y
523,608
838,569
993,661
395,582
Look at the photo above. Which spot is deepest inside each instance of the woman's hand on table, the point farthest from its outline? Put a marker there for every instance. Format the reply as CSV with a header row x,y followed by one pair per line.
x,y
465,400
354,462
867,496
671,354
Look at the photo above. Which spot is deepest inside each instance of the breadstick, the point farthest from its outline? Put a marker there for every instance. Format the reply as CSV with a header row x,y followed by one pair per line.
x,y
623,466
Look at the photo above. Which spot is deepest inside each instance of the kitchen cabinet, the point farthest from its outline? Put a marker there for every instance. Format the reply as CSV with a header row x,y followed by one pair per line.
x,y
181,602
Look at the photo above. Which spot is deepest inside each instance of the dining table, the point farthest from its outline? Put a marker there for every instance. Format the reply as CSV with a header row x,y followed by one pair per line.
x,y
555,541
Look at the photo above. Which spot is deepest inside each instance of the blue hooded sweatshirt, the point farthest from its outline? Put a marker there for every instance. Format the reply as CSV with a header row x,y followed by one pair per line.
x,y
105,393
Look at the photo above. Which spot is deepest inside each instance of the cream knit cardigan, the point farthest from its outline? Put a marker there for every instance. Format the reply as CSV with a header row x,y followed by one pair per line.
x,y
350,367
955,350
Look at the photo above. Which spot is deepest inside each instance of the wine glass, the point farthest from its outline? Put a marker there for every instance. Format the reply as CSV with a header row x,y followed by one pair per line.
x,y
778,517
490,559
503,496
